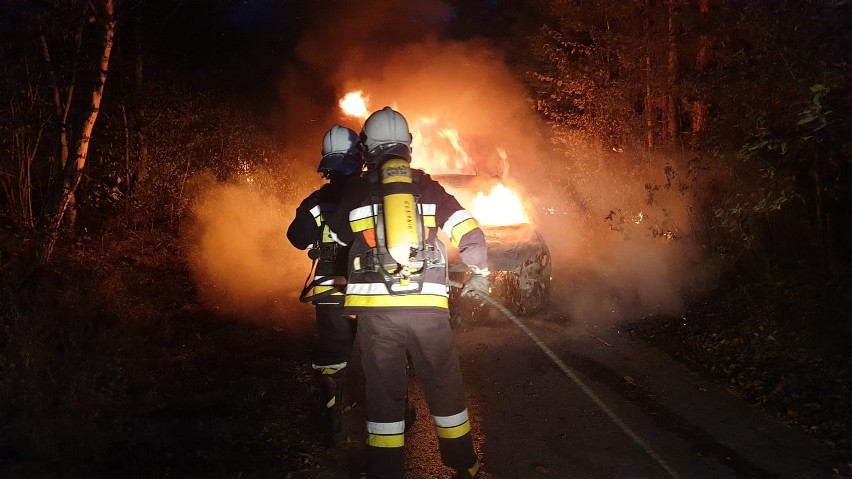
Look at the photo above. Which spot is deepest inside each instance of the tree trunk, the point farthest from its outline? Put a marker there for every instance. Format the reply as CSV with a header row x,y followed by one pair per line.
x,y
73,172
649,111
702,61
61,93
26,182
672,103
137,71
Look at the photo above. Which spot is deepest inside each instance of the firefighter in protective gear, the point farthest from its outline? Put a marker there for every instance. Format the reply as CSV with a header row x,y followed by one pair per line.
x,y
341,159
402,301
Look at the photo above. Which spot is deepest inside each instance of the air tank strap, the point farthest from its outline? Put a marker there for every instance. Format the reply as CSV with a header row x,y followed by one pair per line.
x,y
378,260
307,297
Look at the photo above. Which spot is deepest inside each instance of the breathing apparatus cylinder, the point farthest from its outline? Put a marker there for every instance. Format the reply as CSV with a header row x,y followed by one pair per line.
x,y
400,212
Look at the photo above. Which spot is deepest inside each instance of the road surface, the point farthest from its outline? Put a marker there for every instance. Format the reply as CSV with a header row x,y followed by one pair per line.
x,y
622,410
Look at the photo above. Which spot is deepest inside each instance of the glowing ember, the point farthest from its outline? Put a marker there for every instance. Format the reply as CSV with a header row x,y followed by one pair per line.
x,y
500,207
354,104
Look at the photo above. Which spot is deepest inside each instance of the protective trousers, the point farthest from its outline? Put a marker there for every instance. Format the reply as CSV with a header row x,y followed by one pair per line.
x,y
428,339
335,336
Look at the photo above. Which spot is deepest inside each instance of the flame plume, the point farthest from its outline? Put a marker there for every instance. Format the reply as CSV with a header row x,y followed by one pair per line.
x,y
439,149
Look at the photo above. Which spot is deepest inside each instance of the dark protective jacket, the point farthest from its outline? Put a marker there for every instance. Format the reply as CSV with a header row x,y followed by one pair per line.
x,y
355,222
309,229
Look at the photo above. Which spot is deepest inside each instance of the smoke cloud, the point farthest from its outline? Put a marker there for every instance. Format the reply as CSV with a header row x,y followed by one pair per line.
x,y
238,252
616,255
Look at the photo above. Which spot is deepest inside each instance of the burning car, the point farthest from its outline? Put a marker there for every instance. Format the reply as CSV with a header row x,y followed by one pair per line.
x,y
519,258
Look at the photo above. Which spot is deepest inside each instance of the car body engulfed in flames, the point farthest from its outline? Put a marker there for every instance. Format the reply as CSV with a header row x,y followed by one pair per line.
x,y
518,256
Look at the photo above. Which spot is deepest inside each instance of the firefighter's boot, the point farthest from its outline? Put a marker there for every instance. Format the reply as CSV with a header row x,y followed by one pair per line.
x,y
470,472
331,410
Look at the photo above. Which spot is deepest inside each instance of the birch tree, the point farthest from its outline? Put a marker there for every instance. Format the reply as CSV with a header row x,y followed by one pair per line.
x,y
72,172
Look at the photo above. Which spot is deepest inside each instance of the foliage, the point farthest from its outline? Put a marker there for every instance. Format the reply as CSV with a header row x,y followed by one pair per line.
x,y
773,150
182,134
583,82
150,139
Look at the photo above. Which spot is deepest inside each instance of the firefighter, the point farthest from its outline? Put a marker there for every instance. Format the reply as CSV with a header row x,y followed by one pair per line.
x,y
398,288
341,159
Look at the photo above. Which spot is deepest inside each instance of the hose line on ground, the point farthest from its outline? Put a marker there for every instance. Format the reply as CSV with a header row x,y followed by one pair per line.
x,y
577,381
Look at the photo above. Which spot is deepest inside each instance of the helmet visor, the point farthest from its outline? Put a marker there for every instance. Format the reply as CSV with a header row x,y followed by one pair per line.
x,y
387,151
340,163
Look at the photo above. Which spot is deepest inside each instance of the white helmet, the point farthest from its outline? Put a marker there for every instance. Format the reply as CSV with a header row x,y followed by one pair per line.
x,y
341,152
386,134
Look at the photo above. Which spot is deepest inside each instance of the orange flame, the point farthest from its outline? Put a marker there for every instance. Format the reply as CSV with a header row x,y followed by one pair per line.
x,y
354,104
439,150
500,207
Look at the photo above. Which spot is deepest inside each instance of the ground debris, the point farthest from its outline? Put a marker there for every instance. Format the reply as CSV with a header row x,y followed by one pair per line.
x,y
795,374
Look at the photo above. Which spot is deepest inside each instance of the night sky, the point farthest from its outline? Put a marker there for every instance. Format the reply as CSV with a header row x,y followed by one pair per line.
x,y
244,45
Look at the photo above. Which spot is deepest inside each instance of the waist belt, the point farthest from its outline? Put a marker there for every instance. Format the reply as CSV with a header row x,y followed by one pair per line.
x,y
375,261
327,251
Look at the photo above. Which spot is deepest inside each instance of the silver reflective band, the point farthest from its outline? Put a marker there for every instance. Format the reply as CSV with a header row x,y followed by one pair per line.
x,y
362,212
451,421
455,219
386,427
427,208
437,289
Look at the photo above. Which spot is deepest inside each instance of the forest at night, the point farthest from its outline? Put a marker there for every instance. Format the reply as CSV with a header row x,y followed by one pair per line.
x,y
682,170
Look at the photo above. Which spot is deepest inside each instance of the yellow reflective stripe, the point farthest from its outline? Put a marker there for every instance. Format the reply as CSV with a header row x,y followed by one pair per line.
x,y
453,432
362,224
327,283
331,402
394,440
397,300
462,229
330,369
455,219
322,289
362,218
451,226
427,212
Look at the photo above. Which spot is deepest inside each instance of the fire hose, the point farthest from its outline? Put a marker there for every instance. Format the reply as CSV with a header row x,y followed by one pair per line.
x,y
574,378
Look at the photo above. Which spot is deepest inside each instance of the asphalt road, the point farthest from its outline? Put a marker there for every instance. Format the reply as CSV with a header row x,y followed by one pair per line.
x,y
613,408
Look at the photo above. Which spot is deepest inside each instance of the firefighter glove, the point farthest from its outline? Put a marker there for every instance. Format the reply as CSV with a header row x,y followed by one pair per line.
x,y
478,286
